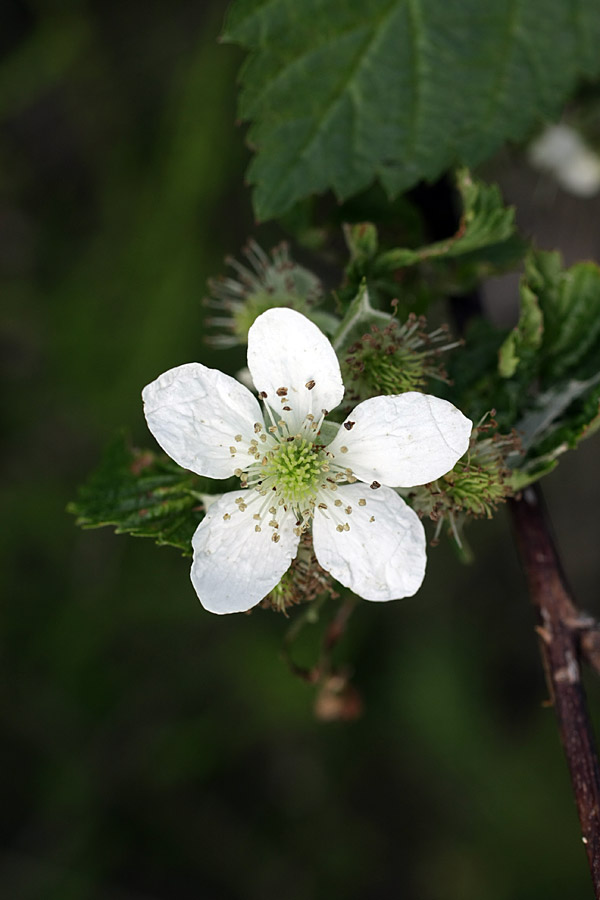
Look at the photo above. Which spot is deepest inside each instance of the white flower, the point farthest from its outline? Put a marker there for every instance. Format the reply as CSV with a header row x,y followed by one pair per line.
x,y
297,470
561,151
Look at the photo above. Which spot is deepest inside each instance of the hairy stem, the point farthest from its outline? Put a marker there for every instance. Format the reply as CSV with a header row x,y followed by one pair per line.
x,y
561,628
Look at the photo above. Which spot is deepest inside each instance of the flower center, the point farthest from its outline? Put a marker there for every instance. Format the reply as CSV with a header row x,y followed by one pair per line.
x,y
296,469
289,475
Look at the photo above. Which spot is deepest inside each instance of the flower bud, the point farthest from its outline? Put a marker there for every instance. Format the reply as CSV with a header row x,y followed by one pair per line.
x,y
474,488
266,282
395,359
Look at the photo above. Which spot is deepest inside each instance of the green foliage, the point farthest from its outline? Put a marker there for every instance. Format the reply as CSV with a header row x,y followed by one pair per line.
x,y
485,242
547,382
526,336
485,224
340,94
144,495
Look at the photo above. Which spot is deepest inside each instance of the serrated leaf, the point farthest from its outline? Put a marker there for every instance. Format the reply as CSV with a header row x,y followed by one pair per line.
x,y
341,93
548,382
526,336
570,303
143,494
485,222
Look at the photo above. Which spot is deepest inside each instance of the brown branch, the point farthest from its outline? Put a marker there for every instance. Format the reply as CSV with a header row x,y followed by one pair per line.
x,y
562,630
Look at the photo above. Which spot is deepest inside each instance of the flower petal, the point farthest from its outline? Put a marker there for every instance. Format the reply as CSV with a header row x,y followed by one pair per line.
x,y
195,414
234,565
382,556
402,440
287,351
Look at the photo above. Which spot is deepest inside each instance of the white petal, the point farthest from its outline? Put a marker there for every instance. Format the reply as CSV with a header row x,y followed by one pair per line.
x,y
382,556
235,566
287,350
402,440
195,413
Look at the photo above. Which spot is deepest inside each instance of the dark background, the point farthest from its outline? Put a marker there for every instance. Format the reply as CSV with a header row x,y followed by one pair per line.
x,y
151,751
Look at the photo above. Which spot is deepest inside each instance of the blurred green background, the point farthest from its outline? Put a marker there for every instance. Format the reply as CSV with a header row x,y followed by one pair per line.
x,y
150,750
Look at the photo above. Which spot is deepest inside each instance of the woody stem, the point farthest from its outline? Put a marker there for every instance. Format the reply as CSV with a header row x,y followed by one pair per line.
x,y
560,628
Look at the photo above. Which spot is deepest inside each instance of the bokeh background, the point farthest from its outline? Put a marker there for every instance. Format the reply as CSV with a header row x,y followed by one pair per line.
x,y
150,751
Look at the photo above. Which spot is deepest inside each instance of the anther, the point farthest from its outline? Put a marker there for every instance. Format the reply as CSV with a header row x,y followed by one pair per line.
x,y
288,408
238,437
375,485
263,395
343,449
281,392
339,528
372,519
362,502
346,526
349,425
257,528
275,537
256,516
348,510
337,503
323,506
257,427
226,517
310,384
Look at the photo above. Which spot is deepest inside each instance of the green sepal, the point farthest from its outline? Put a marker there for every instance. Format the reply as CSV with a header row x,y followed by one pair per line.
x,y
358,319
143,494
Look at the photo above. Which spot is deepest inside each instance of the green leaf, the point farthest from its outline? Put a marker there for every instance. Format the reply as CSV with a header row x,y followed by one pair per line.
x,y
526,336
547,382
570,303
341,93
143,494
485,223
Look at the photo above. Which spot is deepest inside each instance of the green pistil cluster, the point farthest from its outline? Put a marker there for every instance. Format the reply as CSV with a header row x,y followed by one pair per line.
x,y
296,467
268,281
475,490
476,485
395,359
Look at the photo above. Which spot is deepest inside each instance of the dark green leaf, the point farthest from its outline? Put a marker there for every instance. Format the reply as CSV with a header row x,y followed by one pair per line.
x,y
143,494
341,93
